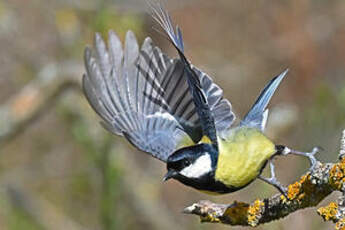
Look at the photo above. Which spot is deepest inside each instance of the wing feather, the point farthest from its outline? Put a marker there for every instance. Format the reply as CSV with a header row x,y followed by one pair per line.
x,y
204,99
115,88
257,115
145,96
174,95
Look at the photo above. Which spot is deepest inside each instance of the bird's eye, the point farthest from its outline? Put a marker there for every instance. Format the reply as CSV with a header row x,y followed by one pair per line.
x,y
186,162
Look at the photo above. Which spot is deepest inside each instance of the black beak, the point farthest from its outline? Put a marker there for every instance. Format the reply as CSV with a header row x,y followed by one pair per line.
x,y
170,174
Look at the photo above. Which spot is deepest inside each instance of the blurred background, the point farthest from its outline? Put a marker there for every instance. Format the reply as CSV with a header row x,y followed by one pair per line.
x,y
60,170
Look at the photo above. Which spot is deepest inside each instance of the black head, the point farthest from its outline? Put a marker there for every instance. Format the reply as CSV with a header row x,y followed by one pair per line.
x,y
192,163
195,166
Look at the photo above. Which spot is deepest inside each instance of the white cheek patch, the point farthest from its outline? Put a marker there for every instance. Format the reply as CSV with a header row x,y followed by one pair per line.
x,y
200,167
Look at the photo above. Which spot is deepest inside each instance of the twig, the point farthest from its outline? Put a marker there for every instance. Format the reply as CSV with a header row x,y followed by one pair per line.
x,y
31,102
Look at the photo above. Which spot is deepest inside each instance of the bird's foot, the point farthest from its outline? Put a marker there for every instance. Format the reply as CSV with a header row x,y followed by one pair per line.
x,y
273,181
310,155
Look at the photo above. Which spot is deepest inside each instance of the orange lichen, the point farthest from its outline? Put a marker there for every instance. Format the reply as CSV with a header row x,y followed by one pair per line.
x,y
329,212
294,190
210,217
337,175
254,212
297,190
340,225
283,198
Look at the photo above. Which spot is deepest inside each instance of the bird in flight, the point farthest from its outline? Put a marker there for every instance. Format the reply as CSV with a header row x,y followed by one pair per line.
x,y
173,111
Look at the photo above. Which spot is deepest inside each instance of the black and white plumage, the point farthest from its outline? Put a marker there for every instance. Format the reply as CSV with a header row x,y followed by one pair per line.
x,y
144,95
172,92
203,108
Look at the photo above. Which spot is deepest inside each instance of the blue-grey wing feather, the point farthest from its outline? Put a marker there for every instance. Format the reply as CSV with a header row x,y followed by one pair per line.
x,y
257,115
172,93
220,107
199,93
115,89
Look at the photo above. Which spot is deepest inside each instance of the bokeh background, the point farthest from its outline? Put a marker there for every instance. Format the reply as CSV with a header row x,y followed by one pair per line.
x,y
60,170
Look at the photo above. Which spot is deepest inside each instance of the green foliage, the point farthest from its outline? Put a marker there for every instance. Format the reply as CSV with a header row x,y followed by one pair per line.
x,y
20,219
98,150
106,19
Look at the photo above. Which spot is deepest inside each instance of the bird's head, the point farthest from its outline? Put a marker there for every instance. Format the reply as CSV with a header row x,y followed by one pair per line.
x,y
192,165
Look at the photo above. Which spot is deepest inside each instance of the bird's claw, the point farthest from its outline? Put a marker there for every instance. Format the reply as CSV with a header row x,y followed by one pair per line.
x,y
310,155
273,181
282,189
312,158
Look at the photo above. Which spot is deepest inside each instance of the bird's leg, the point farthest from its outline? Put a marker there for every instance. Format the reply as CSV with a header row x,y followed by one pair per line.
x,y
273,180
311,155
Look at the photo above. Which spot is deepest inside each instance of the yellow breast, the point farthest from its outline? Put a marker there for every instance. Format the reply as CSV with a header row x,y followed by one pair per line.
x,y
242,155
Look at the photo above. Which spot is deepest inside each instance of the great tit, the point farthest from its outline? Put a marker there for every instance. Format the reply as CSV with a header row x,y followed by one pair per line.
x,y
173,111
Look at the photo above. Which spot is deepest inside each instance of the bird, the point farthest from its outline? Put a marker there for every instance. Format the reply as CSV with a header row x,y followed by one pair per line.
x,y
175,112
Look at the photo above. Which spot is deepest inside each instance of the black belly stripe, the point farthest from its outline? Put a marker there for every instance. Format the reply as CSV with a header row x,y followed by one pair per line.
x,y
207,183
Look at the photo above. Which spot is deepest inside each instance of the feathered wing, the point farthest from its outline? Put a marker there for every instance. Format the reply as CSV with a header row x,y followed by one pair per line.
x,y
220,107
208,113
115,89
173,93
257,115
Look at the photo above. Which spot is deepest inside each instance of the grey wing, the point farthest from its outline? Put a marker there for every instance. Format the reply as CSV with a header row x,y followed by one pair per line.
x,y
170,83
114,88
257,115
220,107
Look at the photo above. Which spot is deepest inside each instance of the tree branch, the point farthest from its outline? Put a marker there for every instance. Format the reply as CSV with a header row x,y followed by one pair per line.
x,y
32,101
308,191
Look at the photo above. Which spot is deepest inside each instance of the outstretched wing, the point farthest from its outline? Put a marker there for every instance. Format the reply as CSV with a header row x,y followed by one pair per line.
x,y
257,115
115,89
199,84
173,93
220,107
